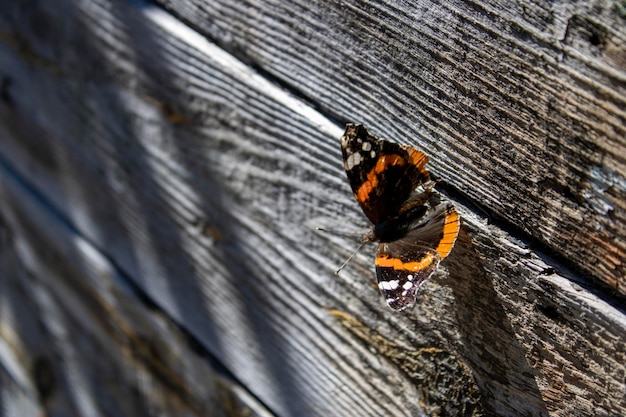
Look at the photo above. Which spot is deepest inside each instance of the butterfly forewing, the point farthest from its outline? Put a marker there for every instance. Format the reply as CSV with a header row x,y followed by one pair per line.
x,y
382,174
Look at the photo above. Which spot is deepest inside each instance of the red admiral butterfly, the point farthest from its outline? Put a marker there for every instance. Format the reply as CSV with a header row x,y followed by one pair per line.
x,y
415,230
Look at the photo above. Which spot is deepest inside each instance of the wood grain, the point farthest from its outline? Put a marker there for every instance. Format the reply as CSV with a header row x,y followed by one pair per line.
x,y
200,179
77,339
520,105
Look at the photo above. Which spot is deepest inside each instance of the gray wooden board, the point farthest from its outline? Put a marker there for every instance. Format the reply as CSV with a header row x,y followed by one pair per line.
x,y
521,105
75,340
16,399
202,181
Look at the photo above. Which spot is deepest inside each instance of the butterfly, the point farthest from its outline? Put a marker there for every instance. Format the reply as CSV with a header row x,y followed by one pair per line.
x,y
414,228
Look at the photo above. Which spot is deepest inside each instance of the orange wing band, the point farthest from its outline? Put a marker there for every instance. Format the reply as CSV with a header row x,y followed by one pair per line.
x,y
383,162
419,159
451,228
385,261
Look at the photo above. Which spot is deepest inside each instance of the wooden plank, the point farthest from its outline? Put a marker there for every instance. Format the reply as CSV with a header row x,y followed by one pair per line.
x,y
523,105
76,339
202,182
16,397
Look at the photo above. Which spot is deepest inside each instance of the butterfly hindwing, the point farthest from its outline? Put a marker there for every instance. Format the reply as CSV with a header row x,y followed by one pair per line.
x,y
438,230
404,264
401,267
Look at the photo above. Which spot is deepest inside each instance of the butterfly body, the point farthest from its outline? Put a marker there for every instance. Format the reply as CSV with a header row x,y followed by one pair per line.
x,y
414,229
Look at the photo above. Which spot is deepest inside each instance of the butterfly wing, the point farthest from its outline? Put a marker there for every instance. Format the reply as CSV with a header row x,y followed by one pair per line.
x,y
404,264
438,230
401,268
382,174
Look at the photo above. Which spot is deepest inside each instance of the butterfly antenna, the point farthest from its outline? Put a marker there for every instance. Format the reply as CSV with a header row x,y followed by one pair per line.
x,y
349,258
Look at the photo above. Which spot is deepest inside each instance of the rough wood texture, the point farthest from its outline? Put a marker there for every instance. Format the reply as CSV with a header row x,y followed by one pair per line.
x,y
200,179
76,340
522,106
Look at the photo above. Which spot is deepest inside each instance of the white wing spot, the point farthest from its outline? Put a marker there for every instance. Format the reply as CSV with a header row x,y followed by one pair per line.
x,y
353,160
388,285
410,277
407,285
366,146
373,154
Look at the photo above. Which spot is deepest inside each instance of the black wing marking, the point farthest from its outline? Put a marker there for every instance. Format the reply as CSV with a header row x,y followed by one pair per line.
x,y
401,267
382,174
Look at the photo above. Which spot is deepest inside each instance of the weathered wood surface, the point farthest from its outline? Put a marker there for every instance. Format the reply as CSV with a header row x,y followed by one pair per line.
x,y
200,180
77,340
511,100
